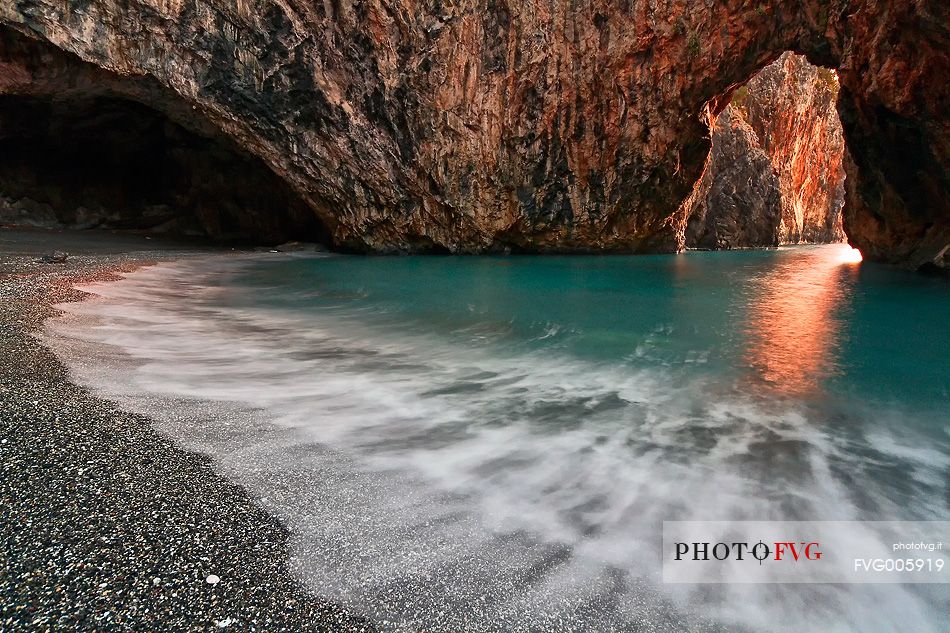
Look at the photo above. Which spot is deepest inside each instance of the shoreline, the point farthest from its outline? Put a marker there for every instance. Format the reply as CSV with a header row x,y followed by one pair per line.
x,y
104,522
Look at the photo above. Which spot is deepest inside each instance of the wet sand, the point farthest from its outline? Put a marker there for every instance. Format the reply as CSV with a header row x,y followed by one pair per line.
x,y
104,523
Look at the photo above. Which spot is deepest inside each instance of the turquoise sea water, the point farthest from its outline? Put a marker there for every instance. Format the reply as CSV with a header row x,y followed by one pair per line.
x,y
492,443
831,328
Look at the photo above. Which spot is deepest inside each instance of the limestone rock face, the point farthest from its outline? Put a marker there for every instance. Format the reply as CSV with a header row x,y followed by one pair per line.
x,y
469,125
791,106
738,201
786,115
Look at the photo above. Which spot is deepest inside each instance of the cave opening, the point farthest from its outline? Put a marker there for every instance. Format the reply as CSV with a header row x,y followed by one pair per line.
x,y
107,162
82,147
775,173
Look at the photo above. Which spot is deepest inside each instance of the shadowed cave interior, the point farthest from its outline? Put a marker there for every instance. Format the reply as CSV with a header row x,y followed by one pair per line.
x,y
111,162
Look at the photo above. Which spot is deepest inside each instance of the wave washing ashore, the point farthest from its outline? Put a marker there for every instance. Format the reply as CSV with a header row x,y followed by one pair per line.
x,y
493,443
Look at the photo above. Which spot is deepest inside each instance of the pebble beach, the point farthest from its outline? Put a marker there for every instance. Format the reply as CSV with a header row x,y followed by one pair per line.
x,y
105,524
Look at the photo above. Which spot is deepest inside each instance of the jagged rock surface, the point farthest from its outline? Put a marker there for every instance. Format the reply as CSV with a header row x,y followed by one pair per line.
x,y
544,125
737,203
791,106
775,174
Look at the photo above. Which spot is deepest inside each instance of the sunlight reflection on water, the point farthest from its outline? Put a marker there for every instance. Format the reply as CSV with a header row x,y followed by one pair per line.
x,y
794,322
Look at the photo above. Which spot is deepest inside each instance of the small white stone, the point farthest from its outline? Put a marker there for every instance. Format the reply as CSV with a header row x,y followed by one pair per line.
x,y
156,581
212,579
224,623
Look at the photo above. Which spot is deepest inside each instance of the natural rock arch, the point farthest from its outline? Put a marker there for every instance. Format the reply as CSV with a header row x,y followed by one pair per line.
x,y
775,174
541,125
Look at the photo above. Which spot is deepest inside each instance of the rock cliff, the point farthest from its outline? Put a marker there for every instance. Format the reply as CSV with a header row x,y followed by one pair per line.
x,y
468,125
775,173
738,201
